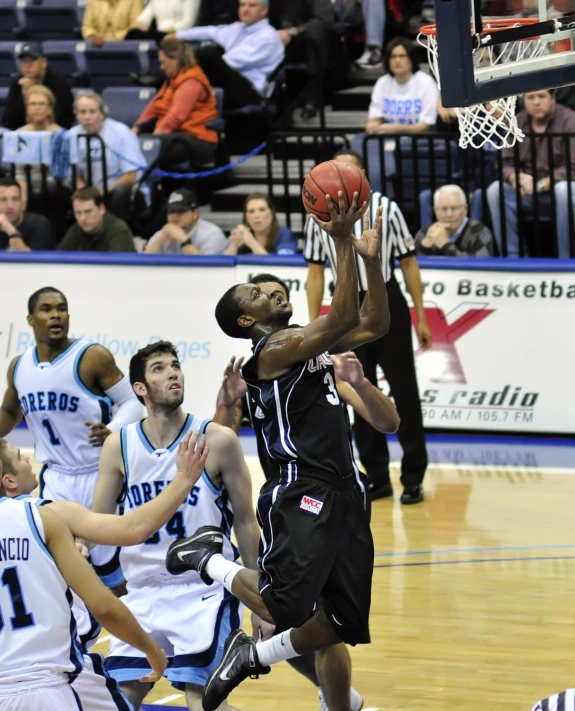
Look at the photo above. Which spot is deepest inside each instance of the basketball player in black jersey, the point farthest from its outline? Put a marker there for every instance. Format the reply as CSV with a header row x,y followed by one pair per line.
x,y
329,668
316,559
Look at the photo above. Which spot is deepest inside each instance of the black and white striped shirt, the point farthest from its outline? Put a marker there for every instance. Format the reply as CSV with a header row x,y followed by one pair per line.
x,y
396,240
565,701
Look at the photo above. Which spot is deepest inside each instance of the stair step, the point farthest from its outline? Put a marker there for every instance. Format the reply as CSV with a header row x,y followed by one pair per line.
x,y
356,99
227,221
232,199
345,121
256,170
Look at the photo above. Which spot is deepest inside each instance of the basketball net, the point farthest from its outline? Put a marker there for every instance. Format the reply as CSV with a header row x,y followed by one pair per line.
x,y
493,123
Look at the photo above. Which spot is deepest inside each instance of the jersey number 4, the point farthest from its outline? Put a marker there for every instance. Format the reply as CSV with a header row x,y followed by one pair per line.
x,y
174,527
20,617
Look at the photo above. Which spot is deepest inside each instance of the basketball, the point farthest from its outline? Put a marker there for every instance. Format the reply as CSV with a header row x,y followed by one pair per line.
x,y
328,179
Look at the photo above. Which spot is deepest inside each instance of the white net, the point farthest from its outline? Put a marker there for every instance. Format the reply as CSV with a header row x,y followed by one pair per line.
x,y
492,123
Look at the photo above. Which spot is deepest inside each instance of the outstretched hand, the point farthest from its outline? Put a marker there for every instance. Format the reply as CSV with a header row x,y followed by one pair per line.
x,y
233,385
157,660
348,368
369,244
193,451
341,224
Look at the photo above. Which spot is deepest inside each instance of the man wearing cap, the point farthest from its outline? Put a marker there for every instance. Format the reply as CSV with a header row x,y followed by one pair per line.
x,y
35,70
186,232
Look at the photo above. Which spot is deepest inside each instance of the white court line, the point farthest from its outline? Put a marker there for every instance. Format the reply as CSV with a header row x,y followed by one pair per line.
x,y
174,697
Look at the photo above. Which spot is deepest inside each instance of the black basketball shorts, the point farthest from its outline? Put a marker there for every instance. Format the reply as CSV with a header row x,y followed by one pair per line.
x,y
316,544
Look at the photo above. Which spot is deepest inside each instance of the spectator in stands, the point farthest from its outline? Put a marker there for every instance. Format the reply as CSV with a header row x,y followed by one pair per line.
x,y
403,100
20,231
40,109
95,229
186,232
162,17
305,28
247,52
109,20
541,115
454,234
180,110
123,153
35,70
260,232
41,192
374,20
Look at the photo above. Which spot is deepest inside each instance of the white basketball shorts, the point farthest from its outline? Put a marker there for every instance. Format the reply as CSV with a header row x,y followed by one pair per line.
x,y
190,623
96,689
52,696
57,486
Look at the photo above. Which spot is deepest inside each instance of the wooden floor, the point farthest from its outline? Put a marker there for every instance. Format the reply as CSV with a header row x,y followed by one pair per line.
x,y
472,600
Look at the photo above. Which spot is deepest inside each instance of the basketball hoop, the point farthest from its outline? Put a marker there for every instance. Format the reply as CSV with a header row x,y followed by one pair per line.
x,y
494,122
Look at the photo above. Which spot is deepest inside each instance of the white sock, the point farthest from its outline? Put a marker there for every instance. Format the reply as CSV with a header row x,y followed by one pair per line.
x,y
355,699
277,649
222,570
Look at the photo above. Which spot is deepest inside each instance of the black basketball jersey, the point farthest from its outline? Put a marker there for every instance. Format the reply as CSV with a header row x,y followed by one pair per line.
x,y
299,421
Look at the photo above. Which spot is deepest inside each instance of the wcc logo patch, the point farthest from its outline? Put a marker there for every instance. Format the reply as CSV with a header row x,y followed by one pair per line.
x,y
314,506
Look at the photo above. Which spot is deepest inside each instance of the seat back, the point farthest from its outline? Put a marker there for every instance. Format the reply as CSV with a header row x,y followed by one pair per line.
x,y
126,103
66,57
8,62
53,19
11,20
112,64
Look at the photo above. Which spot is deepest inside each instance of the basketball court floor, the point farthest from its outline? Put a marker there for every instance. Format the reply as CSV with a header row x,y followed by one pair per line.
x,y
472,591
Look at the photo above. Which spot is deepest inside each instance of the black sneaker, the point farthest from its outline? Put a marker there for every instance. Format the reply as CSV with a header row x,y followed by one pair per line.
x,y
193,553
379,491
414,495
240,660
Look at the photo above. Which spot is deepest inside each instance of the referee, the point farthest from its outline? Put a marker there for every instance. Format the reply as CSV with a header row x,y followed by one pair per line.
x,y
393,352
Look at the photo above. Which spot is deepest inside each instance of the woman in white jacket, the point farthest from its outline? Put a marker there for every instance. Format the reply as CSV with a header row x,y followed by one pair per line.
x,y
162,17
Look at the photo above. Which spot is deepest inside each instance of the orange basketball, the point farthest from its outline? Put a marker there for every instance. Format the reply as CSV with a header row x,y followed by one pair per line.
x,y
328,179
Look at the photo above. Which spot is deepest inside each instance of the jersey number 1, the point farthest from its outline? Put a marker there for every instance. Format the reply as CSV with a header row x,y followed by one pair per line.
x,y
53,439
20,618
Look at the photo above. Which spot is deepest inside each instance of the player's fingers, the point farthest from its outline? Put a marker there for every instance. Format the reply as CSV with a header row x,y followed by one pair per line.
x,y
193,439
318,222
186,438
151,678
331,207
201,442
341,203
204,455
365,221
238,364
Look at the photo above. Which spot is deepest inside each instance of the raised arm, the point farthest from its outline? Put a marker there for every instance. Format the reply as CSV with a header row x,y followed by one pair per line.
x,y
106,608
229,404
367,400
374,313
10,411
141,523
288,347
111,476
228,460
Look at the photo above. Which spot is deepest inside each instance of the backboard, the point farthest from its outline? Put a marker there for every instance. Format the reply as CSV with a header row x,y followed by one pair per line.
x,y
531,46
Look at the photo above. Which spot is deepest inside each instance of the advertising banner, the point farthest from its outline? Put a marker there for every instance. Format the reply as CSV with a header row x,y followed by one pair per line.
x,y
501,358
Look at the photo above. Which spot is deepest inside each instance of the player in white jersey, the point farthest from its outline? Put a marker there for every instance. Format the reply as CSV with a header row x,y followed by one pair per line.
x,y
66,389
39,652
96,689
190,621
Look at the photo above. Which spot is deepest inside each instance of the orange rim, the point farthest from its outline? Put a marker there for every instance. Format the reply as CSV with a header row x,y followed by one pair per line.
x,y
490,25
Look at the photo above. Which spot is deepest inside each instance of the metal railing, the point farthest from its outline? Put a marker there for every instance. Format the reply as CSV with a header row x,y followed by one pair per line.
x,y
410,167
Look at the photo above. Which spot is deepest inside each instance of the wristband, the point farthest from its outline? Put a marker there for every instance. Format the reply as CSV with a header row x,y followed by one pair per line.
x,y
187,243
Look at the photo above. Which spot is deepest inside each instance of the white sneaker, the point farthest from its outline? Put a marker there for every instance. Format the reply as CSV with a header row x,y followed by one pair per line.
x,y
356,700
370,59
